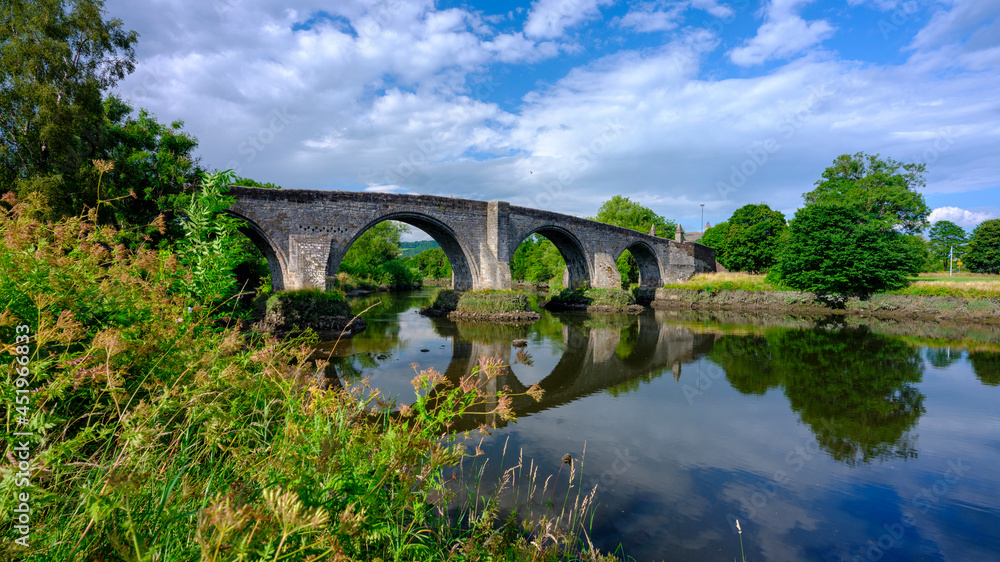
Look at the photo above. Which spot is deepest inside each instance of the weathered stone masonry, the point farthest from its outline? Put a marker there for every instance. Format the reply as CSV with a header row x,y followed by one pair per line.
x,y
306,233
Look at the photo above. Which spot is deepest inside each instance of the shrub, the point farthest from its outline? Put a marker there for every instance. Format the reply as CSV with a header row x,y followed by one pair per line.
x,y
304,305
493,302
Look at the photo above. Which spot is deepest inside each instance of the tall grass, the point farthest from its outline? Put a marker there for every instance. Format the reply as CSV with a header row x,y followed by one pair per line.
x,y
728,282
158,435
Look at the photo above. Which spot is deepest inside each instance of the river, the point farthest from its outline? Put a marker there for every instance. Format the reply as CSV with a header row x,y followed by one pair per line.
x,y
827,439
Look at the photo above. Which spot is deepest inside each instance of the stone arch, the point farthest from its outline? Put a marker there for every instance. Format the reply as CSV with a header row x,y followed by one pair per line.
x,y
577,264
277,263
648,263
463,276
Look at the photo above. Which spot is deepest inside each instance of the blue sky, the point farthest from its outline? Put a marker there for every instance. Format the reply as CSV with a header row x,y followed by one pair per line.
x,y
561,104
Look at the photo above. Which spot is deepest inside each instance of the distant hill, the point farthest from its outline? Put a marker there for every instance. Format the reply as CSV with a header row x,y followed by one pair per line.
x,y
410,249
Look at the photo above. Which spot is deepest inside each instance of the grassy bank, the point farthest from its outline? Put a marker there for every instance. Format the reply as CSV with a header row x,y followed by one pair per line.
x,y
973,300
154,432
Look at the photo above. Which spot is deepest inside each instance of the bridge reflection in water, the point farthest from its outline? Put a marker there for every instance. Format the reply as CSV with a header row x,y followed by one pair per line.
x,y
598,355
801,425
613,353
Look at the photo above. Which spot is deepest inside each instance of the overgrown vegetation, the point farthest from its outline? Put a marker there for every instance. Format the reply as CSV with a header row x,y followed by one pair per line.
x,y
158,434
493,302
728,282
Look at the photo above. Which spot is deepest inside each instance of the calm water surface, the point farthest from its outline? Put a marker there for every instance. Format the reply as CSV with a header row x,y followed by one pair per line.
x,y
826,440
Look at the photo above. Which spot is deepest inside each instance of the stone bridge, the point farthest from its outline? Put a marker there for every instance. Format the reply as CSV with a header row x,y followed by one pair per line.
x,y
305,234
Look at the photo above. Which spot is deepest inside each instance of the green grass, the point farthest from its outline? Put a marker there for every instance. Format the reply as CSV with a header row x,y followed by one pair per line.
x,y
159,435
493,302
727,282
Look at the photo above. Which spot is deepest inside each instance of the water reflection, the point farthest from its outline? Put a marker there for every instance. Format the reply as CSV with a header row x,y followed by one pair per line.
x,y
987,367
855,389
820,401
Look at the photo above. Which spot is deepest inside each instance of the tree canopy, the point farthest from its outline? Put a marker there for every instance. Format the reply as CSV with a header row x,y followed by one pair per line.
x,y
885,191
947,238
622,211
749,240
982,255
57,58
831,250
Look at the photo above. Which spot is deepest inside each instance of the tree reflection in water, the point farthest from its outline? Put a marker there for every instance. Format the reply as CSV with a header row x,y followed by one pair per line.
x,y
854,388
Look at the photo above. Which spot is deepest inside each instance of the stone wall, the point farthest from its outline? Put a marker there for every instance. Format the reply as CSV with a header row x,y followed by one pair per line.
x,y
305,234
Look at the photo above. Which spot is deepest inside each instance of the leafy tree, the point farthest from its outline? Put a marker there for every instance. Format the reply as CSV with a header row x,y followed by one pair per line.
x,y
884,191
716,237
982,255
249,182
376,246
947,238
151,165
57,58
622,211
749,240
537,259
917,255
831,250
431,263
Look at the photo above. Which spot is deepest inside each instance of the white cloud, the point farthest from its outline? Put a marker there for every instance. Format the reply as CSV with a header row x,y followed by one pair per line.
x,y
783,35
549,19
444,103
653,16
961,217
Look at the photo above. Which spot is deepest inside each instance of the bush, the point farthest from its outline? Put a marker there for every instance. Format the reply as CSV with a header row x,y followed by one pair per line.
x,y
832,251
305,305
395,274
493,302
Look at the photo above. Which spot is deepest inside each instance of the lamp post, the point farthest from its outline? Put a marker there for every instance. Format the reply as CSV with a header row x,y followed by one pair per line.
x,y
703,218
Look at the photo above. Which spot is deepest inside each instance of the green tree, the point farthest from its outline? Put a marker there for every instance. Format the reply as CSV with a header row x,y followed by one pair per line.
x,y
152,164
207,249
57,58
982,255
431,263
885,191
947,238
622,211
749,240
831,250
917,255
376,246
537,259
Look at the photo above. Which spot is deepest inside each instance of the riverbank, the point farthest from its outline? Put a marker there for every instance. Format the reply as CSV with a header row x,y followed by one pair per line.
x,y
887,305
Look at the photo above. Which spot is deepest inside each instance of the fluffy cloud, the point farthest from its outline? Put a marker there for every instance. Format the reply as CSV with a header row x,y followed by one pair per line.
x,y
550,18
783,34
402,97
961,217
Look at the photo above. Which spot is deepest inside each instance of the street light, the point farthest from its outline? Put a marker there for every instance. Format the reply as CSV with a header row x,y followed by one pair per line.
x,y
703,218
